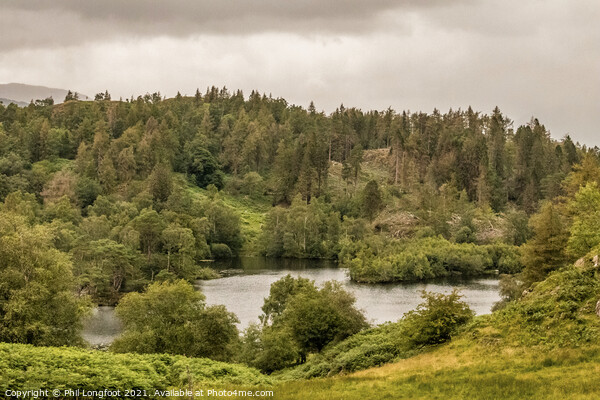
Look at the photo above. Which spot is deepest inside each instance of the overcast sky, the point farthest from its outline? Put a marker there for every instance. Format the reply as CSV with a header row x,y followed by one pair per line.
x,y
531,58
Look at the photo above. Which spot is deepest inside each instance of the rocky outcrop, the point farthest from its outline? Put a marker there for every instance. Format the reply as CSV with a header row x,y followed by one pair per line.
x,y
595,260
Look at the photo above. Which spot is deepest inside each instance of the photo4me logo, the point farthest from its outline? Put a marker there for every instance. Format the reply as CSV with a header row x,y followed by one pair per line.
x,y
213,393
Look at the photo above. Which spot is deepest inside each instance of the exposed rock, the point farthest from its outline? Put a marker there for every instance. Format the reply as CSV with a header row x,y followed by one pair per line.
x,y
580,262
595,260
598,308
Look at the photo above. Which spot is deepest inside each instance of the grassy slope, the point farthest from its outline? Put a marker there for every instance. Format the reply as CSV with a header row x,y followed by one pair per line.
x,y
252,213
461,370
374,166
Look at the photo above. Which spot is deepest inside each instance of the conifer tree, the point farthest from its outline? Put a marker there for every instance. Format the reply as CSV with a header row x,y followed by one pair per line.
x,y
545,251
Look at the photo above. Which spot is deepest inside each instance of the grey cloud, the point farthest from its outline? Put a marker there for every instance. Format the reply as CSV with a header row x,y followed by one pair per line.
x,y
199,11
69,22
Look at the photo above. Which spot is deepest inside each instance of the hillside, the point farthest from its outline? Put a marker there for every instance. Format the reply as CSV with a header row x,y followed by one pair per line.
x,y
9,101
22,93
460,371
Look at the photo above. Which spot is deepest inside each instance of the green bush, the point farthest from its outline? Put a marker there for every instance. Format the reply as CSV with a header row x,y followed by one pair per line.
x,y
437,318
268,349
299,319
366,349
171,317
506,258
220,250
207,273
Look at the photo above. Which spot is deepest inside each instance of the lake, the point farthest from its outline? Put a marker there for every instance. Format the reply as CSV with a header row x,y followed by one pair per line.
x,y
249,280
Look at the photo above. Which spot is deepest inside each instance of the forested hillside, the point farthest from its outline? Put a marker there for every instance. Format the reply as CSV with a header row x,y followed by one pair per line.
x,y
160,184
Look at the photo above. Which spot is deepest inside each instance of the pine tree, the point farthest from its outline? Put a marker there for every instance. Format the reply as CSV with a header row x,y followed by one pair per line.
x,y
372,201
107,174
545,251
160,183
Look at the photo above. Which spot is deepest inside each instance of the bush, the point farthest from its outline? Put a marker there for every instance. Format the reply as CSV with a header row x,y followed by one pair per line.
x,y
437,318
506,258
316,318
207,273
366,349
268,349
220,250
171,317
299,319
465,235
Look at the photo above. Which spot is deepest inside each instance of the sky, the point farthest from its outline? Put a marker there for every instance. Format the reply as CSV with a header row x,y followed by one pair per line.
x,y
531,58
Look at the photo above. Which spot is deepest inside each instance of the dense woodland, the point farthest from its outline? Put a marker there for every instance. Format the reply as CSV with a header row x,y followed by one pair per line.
x,y
122,202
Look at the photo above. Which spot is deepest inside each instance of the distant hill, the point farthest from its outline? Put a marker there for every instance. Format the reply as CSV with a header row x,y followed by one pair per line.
x,y
8,101
22,93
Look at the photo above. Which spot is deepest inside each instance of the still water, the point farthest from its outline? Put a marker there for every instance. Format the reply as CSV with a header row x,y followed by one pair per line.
x,y
102,327
248,280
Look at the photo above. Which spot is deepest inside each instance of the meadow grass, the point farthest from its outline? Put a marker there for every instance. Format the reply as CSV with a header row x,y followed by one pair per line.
x,y
463,371
252,212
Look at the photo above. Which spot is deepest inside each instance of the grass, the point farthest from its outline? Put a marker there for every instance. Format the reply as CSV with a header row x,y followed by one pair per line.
x,y
252,212
461,371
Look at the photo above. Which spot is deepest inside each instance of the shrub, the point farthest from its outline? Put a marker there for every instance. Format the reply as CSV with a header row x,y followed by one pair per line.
x,y
299,319
268,349
366,349
437,318
220,250
207,273
506,258
171,317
